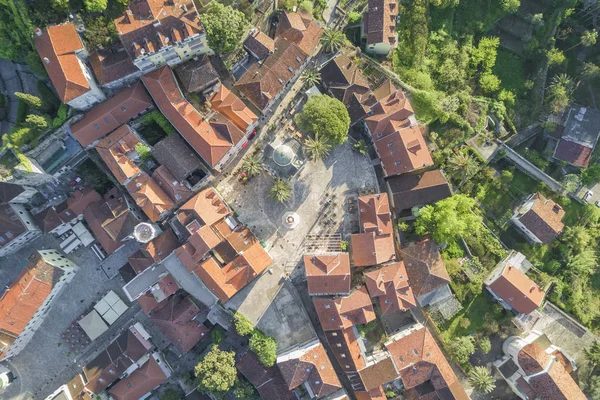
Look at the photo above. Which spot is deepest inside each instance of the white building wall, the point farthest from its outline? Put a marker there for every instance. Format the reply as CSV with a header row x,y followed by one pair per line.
x,y
174,54
31,233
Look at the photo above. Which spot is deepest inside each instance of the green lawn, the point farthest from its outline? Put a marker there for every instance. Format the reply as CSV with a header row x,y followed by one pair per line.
x,y
510,68
475,312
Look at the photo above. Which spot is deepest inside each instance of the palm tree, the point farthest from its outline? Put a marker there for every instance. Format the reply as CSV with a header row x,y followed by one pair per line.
x,y
462,163
333,40
589,38
317,149
281,190
481,380
563,80
252,165
311,77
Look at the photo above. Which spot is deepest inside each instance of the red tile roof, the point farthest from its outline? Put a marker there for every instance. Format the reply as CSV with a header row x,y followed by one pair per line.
x,y
546,375
346,349
376,374
392,107
57,47
390,284
374,394
573,153
26,294
425,267
109,115
154,251
259,44
343,312
375,244
263,82
380,22
167,182
520,292
149,196
10,226
226,281
420,361
268,381
300,28
117,150
175,319
139,382
153,24
544,219
314,368
110,66
234,109
207,207
328,273
403,149
211,136
418,189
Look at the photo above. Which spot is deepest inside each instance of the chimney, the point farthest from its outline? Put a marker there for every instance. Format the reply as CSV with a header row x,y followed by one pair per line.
x,y
531,289
37,31
46,60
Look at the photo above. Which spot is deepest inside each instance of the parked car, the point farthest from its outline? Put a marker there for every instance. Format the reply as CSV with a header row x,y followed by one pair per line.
x,y
598,203
75,181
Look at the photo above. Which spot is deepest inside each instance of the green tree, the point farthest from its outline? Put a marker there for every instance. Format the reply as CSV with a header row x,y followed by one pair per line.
x,y
247,8
354,16
252,165
583,264
311,77
35,64
463,164
555,56
577,238
449,219
216,371
593,387
589,38
484,345
461,348
225,27
317,148
590,175
571,183
333,40
39,123
306,6
511,6
170,394
559,93
30,100
485,53
361,147
288,5
281,190
16,29
244,390
243,326
95,6
265,348
60,5
326,117
100,32
489,83
481,380
143,151
592,353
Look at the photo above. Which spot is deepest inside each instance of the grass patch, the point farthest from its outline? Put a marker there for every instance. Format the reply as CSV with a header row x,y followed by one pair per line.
x,y
510,68
475,312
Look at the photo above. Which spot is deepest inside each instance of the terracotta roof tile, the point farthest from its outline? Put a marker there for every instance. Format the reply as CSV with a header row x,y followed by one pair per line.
x,y
117,150
544,218
573,153
139,382
520,292
149,197
259,44
197,75
57,47
166,181
262,83
374,394
420,361
313,367
375,244
211,138
346,349
267,380
403,150
375,375
344,312
109,115
234,109
380,22
154,251
328,273
175,319
137,28
418,189
392,106
26,294
425,267
110,66
207,207
301,29
390,284
177,156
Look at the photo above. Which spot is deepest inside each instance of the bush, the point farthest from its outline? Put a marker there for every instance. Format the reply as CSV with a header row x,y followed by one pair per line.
x,y
156,117
364,329
461,348
243,326
484,345
143,151
170,394
265,348
61,116
354,16
217,336
306,6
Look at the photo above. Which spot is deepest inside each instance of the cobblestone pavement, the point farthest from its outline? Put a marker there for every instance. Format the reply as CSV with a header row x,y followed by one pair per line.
x,y
46,363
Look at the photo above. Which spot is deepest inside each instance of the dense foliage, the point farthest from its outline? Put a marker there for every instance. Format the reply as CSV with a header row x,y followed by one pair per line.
x,y
326,117
225,27
216,372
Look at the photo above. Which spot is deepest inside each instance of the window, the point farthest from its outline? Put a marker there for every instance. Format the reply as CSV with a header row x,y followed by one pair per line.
x,y
338,344
333,333
394,152
9,234
397,163
379,134
343,355
106,120
123,109
327,306
96,126
390,144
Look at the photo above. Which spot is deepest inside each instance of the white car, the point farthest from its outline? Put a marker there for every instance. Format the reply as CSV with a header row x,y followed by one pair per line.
x,y
588,195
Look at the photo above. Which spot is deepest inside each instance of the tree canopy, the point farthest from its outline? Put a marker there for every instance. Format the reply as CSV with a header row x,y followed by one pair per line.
x,y
225,27
449,219
96,5
326,117
461,348
216,371
265,348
